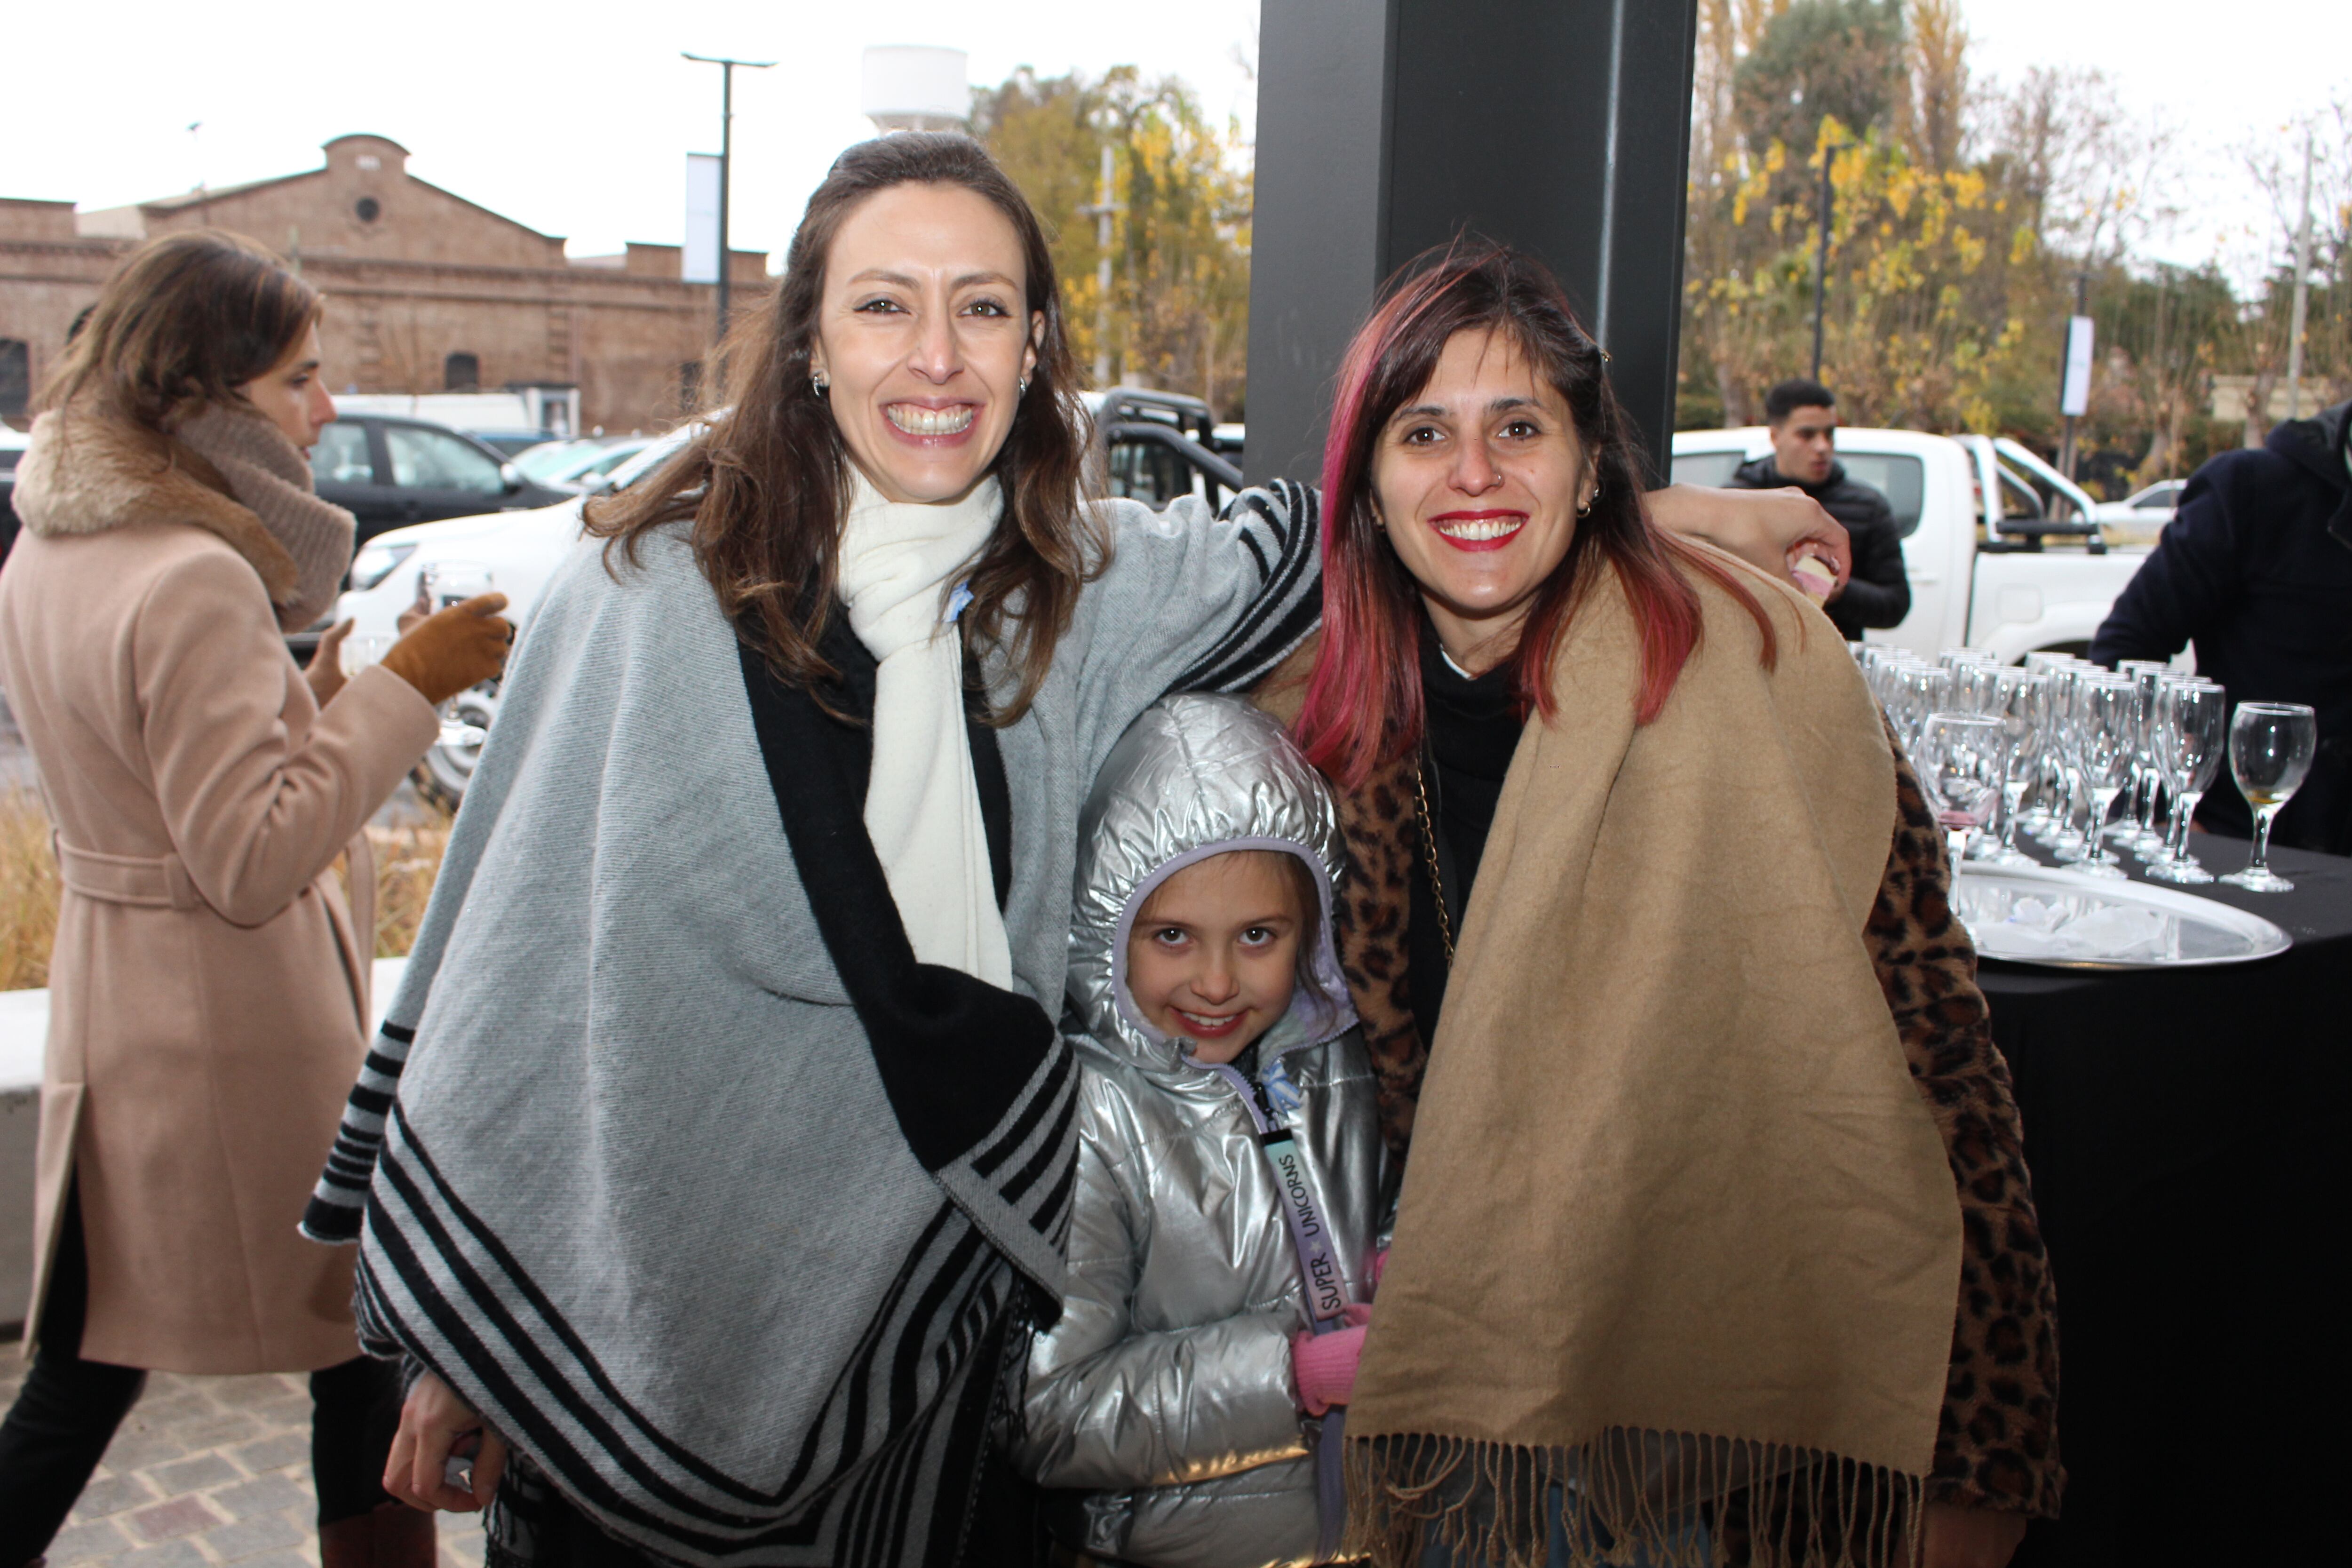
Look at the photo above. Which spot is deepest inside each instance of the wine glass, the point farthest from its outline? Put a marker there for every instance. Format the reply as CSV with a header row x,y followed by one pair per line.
x,y
1924,688
2192,723
2066,842
442,584
2020,701
1962,758
358,653
2271,746
1976,685
2106,712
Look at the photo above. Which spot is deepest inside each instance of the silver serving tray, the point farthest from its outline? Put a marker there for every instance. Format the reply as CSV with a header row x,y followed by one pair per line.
x,y
2062,919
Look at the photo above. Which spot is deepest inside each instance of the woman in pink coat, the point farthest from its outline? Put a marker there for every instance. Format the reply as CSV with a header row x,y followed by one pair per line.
x,y
209,984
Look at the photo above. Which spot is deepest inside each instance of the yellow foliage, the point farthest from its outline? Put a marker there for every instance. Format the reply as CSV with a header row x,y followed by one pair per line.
x,y
28,891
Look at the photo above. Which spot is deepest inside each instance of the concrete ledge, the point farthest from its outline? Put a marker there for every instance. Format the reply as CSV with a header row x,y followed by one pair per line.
x,y
23,1036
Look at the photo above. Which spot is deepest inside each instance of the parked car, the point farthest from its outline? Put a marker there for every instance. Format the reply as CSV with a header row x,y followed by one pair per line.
x,y
586,465
2159,499
391,471
1156,445
12,447
2140,518
2003,552
510,443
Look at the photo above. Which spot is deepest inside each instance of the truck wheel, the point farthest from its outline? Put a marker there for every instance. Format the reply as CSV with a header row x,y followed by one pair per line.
x,y
444,770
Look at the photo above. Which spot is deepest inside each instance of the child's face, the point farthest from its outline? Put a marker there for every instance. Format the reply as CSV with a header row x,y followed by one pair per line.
x,y
1213,955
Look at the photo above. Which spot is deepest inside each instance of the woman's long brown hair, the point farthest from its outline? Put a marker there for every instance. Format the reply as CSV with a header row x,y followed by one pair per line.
x,y
186,322
766,485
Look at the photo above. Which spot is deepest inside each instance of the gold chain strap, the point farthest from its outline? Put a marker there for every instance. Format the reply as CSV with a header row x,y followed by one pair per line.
x,y
1429,853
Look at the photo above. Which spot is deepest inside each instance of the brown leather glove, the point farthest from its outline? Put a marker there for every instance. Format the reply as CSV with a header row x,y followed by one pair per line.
x,y
452,649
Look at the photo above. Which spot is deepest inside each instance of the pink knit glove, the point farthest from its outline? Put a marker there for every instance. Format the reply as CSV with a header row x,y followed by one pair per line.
x,y
1324,1364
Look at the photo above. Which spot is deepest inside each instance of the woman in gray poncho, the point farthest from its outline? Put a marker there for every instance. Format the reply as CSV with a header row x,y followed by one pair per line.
x,y
727,1153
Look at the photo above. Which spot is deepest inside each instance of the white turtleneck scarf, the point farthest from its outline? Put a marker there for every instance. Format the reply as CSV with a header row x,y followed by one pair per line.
x,y
922,803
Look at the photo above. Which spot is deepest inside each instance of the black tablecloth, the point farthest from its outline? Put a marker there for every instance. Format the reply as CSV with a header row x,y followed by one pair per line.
x,y
2185,1131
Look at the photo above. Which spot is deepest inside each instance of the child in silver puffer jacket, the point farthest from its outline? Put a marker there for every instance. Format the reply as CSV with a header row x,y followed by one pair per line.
x,y
1184,1411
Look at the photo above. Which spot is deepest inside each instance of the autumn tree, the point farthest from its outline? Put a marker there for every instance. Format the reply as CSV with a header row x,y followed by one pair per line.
x,y
1923,249
1176,316
1963,213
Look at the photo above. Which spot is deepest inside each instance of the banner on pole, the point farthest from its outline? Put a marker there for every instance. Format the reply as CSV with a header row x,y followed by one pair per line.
x,y
2076,399
699,262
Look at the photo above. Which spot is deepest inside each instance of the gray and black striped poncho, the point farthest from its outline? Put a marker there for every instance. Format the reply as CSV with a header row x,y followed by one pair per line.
x,y
669,1159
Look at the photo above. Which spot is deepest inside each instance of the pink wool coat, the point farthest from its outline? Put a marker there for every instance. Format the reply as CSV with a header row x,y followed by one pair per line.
x,y
208,992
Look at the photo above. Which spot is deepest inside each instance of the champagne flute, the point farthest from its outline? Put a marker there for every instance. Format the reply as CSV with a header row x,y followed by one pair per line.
x,y
2271,747
2136,829
2046,783
2193,725
1962,760
442,584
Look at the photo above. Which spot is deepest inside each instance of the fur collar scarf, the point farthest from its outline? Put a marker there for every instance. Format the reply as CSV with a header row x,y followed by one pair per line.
x,y
227,471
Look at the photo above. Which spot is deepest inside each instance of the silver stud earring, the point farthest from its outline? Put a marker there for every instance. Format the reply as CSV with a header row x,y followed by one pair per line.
x,y
1025,387
817,383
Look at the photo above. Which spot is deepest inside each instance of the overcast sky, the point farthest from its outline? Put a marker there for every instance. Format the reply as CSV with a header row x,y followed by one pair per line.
x,y
574,118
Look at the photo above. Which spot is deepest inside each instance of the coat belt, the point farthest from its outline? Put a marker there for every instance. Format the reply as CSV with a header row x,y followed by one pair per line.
x,y
147,882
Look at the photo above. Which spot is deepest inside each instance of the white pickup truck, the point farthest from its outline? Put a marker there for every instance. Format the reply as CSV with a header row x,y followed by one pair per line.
x,y
2002,550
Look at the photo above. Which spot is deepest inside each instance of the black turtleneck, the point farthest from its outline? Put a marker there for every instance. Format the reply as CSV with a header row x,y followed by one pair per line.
x,y
1473,730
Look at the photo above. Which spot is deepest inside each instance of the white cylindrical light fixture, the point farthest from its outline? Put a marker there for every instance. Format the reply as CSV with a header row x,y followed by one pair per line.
x,y
916,87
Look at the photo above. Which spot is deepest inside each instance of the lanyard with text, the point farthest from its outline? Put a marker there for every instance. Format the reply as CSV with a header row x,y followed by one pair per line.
x,y
1311,1233
1320,1278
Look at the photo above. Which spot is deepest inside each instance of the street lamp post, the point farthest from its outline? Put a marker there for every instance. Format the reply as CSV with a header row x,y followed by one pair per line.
x,y
2302,292
1101,210
1822,249
726,152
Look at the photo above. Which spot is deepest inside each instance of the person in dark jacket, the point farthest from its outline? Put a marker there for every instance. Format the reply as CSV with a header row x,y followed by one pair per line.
x,y
1803,419
2255,570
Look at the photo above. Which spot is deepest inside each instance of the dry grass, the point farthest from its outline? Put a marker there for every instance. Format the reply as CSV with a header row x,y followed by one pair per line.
x,y
407,861
28,890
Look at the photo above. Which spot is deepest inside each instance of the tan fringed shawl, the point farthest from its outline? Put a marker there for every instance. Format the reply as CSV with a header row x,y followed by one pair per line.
x,y
1677,1221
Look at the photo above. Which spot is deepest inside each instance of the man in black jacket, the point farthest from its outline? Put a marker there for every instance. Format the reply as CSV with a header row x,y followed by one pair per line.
x,y
2255,569
1803,417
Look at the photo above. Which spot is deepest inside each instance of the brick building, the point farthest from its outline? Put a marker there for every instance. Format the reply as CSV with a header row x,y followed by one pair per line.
x,y
425,292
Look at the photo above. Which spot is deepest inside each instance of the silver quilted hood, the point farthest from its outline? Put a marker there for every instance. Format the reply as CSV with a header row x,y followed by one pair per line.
x,y
1196,776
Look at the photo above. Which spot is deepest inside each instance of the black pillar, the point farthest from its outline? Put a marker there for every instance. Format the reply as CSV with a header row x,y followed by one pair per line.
x,y
1388,126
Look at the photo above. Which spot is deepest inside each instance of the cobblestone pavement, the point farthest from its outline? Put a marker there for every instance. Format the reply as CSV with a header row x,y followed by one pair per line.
x,y
205,1470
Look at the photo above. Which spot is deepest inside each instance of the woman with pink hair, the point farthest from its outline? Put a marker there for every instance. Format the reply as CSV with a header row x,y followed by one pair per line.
x,y
1717,1231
